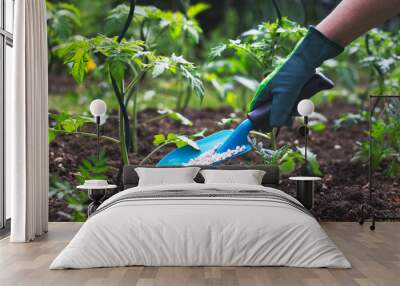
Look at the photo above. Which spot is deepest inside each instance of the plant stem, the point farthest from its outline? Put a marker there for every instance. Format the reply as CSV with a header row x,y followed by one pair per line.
x,y
273,139
153,152
278,11
187,98
135,123
88,134
132,91
381,76
132,85
128,20
124,119
124,129
180,95
123,148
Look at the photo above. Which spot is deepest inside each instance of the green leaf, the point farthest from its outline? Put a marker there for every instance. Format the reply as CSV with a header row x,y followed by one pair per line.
x,y
393,169
196,9
284,157
184,140
93,168
149,12
349,118
287,166
178,140
59,188
72,124
69,125
378,131
229,121
159,139
117,70
199,134
80,60
222,89
59,118
171,137
180,60
76,200
116,19
193,32
317,126
79,216
194,80
77,53
261,49
86,164
52,135
159,68
248,83
218,50
175,116
312,160
62,20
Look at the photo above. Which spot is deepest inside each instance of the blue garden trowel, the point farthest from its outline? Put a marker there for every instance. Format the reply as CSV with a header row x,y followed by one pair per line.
x,y
258,119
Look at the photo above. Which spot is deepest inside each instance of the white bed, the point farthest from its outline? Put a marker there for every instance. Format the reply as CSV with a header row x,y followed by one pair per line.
x,y
205,230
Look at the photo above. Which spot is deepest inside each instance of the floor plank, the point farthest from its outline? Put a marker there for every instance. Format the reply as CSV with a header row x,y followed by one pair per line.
x,y
375,257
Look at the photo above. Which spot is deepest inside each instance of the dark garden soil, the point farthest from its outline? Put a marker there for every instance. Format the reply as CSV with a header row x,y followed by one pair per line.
x,y
338,198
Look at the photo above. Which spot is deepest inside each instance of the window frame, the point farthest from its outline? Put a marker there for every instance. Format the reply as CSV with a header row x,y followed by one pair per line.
x,y
6,39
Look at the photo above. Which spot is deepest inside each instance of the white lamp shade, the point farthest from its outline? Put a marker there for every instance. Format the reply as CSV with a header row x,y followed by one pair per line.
x,y
98,107
305,107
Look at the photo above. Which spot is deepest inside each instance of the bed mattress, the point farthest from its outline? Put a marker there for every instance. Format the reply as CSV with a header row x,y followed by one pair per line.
x,y
201,225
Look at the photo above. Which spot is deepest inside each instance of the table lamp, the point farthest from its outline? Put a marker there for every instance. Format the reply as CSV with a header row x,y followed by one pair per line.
x,y
305,109
98,109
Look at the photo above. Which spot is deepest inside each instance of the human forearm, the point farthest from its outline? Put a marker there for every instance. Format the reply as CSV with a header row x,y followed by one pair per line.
x,y
352,18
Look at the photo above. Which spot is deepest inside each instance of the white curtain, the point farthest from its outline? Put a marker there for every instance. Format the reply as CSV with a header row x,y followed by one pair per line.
x,y
27,171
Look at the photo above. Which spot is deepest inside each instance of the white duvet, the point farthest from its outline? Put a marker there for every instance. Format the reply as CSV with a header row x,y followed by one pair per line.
x,y
200,231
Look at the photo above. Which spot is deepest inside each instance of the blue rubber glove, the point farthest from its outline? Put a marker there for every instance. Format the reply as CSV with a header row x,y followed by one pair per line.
x,y
284,84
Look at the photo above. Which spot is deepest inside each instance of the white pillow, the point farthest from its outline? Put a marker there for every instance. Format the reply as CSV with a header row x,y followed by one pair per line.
x,y
166,176
248,177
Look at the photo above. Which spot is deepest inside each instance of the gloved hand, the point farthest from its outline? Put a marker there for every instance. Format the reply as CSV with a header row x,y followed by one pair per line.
x,y
284,84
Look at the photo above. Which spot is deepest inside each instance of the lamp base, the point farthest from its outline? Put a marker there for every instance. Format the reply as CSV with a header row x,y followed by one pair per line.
x,y
96,196
305,193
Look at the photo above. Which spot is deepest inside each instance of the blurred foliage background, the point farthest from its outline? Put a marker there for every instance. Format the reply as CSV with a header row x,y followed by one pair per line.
x,y
223,20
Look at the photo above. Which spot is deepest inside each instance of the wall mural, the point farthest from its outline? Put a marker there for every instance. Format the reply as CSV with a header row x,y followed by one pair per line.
x,y
173,75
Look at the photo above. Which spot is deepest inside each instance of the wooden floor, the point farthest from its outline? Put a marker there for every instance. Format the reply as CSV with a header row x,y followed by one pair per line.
x,y
375,257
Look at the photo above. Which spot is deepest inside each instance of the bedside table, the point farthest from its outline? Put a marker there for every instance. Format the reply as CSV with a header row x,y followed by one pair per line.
x,y
96,194
305,190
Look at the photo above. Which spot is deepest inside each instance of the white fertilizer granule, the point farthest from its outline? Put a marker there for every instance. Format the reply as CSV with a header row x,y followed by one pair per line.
x,y
211,156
